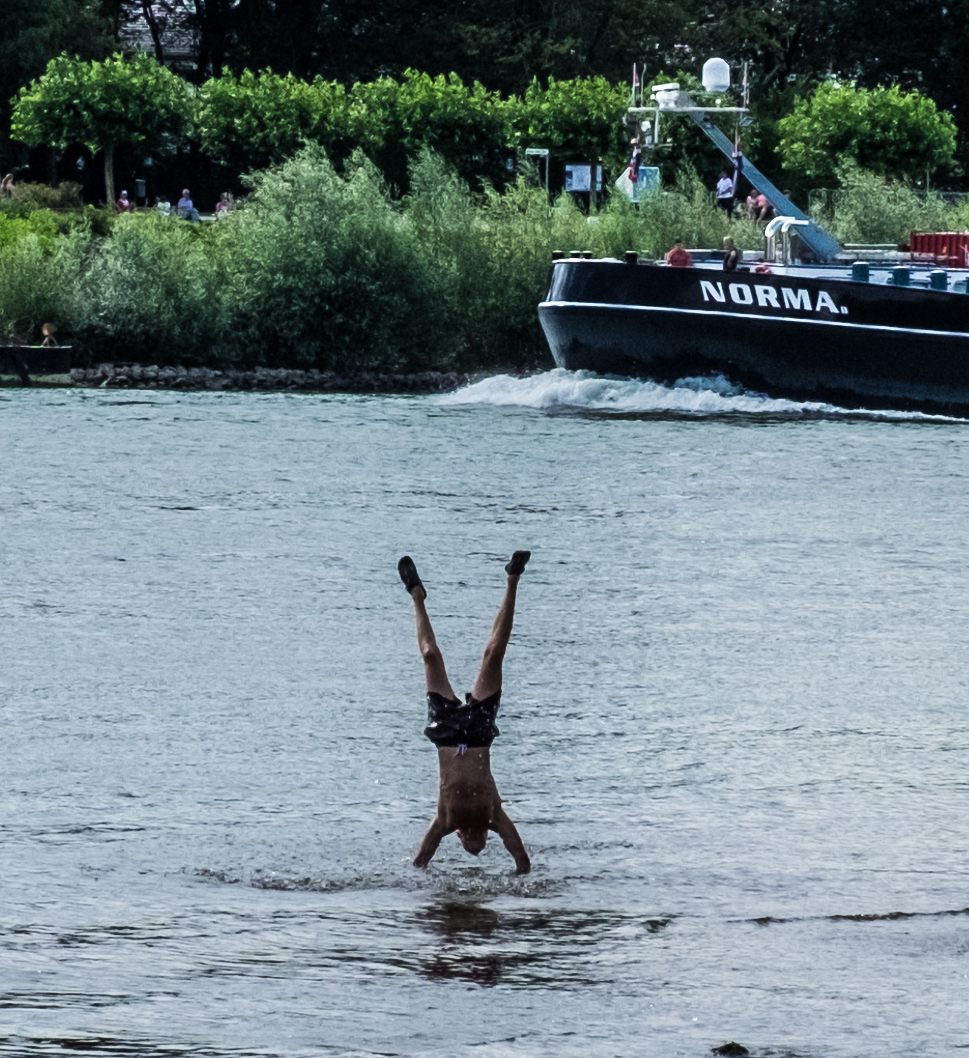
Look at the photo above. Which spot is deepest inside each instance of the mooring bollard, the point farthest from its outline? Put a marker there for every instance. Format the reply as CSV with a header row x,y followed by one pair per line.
x,y
860,272
939,279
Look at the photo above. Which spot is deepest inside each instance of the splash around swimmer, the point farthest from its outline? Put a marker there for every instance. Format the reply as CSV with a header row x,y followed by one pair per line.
x,y
468,802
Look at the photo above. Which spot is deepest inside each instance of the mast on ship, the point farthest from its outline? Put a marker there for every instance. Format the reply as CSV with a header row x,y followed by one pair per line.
x,y
671,99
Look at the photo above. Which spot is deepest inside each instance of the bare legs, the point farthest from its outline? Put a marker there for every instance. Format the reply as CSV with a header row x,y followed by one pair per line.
x,y
434,671
489,676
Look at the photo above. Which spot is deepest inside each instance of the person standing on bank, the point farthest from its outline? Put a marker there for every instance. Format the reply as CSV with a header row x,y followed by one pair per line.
x,y
726,189
468,802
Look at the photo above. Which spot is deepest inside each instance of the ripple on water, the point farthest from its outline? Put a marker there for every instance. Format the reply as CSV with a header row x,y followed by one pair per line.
x,y
734,737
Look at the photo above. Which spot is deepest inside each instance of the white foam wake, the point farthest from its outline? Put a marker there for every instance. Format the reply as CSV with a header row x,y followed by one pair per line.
x,y
584,390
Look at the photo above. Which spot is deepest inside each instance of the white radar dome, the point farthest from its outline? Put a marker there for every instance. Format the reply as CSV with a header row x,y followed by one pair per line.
x,y
716,75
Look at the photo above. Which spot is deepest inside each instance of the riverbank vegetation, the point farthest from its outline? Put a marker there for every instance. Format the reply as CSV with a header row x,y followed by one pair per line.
x,y
395,224
320,269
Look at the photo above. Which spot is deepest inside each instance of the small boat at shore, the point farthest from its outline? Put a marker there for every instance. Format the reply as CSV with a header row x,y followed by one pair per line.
x,y
35,365
808,325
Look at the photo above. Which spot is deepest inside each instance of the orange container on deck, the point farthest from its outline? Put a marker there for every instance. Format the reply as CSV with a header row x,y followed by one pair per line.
x,y
950,248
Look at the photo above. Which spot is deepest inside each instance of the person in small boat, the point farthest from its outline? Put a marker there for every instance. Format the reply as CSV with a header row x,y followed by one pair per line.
x,y
679,256
731,255
468,802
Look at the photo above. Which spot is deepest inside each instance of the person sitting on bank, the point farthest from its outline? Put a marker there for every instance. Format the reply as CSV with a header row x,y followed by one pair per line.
x,y
731,255
468,802
225,204
186,208
163,206
764,210
123,205
48,332
679,256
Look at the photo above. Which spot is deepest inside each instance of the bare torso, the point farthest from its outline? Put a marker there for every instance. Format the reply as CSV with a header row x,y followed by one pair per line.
x,y
467,796
468,804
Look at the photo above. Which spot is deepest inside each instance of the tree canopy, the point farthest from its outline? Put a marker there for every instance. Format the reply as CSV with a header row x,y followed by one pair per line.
x,y
883,130
506,46
255,120
136,102
31,33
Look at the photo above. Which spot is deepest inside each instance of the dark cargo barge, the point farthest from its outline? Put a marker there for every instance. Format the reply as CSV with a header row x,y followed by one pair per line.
x,y
809,326
805,334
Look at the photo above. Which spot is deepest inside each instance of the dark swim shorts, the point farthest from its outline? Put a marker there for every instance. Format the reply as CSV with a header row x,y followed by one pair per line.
x,y
453,723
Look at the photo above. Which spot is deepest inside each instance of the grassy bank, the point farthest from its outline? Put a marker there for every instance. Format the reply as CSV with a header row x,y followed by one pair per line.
x,y
325,271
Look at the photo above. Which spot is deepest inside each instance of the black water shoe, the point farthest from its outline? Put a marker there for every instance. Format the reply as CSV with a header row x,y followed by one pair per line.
x,y
516,567
408,574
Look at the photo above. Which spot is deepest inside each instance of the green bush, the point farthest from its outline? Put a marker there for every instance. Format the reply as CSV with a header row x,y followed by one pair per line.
x,y
325,272
882,130
37,284
874,209
28,197
12,229
255,120
579,120
490,253
394,121
151,293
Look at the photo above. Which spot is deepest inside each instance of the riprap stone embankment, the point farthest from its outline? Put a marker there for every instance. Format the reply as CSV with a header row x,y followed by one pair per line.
x,y
137,376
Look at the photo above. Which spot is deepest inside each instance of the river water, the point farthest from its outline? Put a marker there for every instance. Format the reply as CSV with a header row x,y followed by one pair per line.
x,y
734,728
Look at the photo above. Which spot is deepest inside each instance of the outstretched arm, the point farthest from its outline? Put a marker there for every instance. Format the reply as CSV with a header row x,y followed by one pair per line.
x,y
505,829
436,832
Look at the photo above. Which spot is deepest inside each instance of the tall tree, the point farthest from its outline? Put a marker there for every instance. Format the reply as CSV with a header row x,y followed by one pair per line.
x,y
32,32
134,102
917,44
883,130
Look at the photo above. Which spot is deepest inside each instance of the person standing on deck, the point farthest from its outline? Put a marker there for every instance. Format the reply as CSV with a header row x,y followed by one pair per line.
x,y
468,802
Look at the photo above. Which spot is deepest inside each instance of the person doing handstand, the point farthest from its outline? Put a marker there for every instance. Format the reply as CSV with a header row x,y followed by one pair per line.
x,y
468,803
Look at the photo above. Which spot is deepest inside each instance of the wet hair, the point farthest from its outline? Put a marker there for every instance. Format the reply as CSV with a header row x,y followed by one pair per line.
x,y
474,839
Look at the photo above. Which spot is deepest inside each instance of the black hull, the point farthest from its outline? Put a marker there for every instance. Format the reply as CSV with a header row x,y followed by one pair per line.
x,y
824,339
